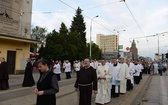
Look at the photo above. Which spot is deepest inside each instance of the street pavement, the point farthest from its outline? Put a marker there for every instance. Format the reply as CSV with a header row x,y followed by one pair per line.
x,y
157,91
152,90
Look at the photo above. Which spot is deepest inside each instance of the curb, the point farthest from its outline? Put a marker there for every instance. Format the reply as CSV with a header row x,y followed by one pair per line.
x,y
140,98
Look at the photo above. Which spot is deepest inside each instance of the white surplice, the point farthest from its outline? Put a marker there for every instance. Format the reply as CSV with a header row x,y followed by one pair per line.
x,y
125,75
68,67
104,91
116,76
57,69
131,72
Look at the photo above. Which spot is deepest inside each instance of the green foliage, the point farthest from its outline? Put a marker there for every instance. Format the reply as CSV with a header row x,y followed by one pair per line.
x,y
69,43
39,34
96,51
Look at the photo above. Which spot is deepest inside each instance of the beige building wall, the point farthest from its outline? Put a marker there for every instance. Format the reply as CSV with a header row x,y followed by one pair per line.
x,y
15,30
15,17
25,18
107,42
22,52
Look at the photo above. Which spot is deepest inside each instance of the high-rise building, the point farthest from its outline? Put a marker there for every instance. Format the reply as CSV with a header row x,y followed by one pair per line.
x,y
107,42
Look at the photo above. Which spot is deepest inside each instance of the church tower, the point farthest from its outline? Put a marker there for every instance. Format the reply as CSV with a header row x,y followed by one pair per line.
x,y
134,50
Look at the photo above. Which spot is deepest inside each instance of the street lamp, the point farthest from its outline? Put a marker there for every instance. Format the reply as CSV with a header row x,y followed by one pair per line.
x,y
118,32
91,35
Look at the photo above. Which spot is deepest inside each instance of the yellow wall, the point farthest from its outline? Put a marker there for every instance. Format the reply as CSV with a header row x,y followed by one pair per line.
x,y
22,52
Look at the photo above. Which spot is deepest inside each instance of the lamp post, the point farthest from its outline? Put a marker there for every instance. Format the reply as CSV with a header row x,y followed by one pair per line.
x,y
91,36
158,48
118,32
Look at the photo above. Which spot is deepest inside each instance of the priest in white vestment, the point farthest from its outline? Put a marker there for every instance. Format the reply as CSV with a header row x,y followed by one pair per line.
x,y
116,78
104,90
130,80
137,70
125,76
77,67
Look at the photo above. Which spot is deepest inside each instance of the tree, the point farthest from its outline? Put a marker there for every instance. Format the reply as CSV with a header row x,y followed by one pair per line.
x,y
54,48
96,51
63,30
39,34
78,29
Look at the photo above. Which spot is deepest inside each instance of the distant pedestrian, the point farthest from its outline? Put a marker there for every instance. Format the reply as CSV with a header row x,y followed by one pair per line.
x,y
77,67
4,76
57,70
47,85
28,76
160,68
137,70
155,68
68,69
85,82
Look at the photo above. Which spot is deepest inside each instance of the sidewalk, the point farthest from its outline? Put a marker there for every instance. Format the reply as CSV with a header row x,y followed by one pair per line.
x,y
157,92
18,95
16,80
68,96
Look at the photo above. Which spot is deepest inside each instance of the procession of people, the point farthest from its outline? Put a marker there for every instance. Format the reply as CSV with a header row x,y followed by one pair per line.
x,y
107,78
114,78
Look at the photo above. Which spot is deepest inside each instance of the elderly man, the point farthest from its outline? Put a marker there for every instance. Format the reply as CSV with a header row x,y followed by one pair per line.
x,y
104,86
86,82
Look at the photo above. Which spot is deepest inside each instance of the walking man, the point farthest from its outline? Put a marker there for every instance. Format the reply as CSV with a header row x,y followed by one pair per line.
x,y
104,87
86,82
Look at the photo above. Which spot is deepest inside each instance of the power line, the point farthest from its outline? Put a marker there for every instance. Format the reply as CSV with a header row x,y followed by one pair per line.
x,y
136,22
158,34
88,17
101,5
91,18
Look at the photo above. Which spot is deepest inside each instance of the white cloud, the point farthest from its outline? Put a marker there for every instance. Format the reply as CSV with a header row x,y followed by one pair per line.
x,y
150,15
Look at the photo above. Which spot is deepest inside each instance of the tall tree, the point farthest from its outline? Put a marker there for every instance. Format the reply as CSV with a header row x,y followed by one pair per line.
x,y
54,48
63,30
78,24
78,28
39,34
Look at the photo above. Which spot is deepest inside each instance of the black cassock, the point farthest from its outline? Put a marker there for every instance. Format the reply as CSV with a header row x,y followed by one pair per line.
x,y
4,76
28,77
86,82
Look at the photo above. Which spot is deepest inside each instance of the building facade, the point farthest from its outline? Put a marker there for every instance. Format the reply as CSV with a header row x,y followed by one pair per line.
x,y
107,42
15,28
134,50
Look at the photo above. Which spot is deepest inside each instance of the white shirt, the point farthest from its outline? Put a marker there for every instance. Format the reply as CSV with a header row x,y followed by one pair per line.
x,y
92,64
68,67
116,73
137,70
141,67
57,69
77,66
109,64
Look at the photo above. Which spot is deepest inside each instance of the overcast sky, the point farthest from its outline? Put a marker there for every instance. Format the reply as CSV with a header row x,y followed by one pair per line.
x,y
151,17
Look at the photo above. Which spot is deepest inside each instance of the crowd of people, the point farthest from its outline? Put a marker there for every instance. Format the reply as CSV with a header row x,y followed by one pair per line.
x,y
114,78
108,78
